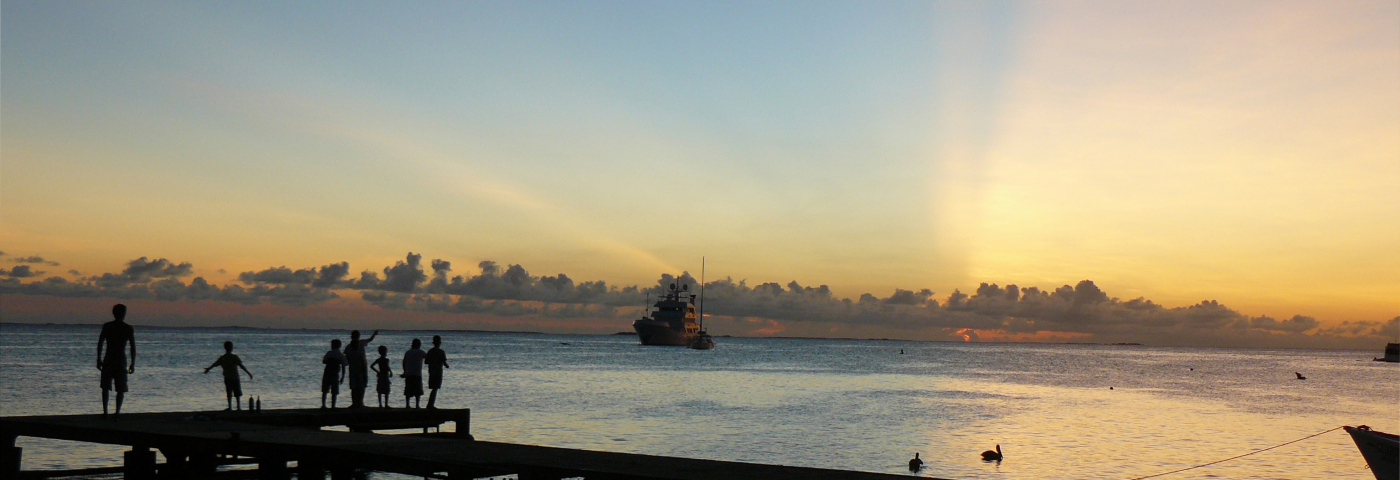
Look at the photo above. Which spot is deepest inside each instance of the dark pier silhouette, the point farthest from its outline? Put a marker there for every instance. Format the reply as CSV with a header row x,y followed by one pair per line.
x,y
196,443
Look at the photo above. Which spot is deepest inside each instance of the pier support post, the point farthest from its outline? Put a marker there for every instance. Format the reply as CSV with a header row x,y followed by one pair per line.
x,y
175,464
139,464
272,469
10,459
464,425
10,456
310,469
342,473
201,465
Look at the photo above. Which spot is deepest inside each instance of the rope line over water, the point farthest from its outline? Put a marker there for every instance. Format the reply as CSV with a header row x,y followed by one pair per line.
x,y
1241,456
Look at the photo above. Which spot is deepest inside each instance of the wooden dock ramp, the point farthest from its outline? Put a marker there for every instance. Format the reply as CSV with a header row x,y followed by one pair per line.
x,y
194,442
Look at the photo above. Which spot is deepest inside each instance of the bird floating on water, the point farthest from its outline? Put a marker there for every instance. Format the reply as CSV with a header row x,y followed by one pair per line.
x,y
1300,376
915,464
990,455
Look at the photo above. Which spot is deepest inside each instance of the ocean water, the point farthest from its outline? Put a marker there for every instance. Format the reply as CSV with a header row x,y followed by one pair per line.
x,y
843,404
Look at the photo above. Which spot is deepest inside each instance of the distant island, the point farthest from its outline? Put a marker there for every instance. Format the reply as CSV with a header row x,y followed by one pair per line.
x,y
626,333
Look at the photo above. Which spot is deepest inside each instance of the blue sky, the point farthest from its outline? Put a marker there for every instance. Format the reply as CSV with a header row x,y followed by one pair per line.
x,y
1241,151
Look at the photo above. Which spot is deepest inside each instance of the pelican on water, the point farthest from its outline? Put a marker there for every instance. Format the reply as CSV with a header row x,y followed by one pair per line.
x,y
990,455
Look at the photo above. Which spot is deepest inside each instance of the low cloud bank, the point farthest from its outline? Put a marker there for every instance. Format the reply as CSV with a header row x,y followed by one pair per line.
x,y
991,311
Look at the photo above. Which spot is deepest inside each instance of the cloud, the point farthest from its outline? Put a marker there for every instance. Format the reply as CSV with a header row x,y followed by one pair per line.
x,y
159,280
74,272
145,269
1083,310
368,281
909,297
515,283
1296,324
331,275
34,259
21,271
969,335
280,276
1389,329
404,276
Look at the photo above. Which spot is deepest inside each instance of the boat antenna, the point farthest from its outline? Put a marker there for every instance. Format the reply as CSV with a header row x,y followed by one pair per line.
x,y
702,294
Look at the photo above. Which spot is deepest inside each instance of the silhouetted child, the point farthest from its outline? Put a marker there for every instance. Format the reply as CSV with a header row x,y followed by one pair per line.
x,y
334,374
413,373
231,364
381,368
436,360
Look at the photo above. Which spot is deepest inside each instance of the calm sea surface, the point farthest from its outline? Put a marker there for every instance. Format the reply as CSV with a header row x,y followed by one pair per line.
x,y
844,404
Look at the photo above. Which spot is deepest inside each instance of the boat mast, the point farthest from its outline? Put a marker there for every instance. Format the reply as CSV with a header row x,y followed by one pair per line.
x,y
702,294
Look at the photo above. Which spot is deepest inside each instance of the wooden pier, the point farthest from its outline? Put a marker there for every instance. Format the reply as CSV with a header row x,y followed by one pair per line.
x,y
195,443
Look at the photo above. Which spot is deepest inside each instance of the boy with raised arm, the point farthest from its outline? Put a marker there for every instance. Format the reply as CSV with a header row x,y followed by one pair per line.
x,y
231,364
334,373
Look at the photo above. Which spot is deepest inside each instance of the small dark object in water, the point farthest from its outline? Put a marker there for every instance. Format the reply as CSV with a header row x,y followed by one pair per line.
x,y
901,352
563,343
915,464
1193,369
990,455
1300,376
1110,388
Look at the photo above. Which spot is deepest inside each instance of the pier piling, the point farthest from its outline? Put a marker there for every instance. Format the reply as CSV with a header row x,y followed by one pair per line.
x,y
139,463
10,457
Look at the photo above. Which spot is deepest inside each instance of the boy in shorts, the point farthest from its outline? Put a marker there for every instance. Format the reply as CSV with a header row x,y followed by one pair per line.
x,y
116,336
231,364
334,373
381,370
436,360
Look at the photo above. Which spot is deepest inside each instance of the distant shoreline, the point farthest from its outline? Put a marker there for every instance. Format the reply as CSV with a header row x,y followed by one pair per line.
x,y
269,329
616,334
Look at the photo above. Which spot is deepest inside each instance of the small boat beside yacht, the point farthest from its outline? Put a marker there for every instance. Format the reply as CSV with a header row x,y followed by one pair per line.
x,y
703,341
1392,353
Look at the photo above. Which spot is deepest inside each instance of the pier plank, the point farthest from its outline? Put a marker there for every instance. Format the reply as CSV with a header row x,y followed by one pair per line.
x,y
296,434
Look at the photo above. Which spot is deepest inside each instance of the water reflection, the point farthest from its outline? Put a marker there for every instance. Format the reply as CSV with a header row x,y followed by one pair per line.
x,y
831,404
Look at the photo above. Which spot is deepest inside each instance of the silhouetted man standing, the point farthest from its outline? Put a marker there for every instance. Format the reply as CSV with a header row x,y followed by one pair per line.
x,y
359,367
116,335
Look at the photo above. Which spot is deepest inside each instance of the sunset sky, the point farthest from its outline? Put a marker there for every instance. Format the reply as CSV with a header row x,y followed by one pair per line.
x,y
1241,152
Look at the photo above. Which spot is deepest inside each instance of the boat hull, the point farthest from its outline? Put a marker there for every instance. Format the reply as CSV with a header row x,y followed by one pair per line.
x,y
702,342
661,334
1381,450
